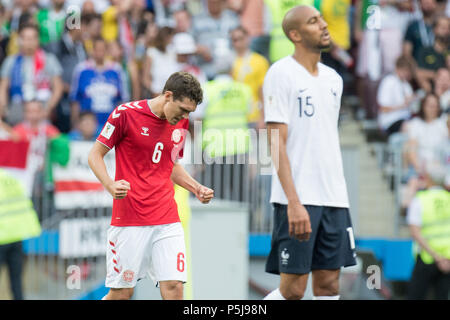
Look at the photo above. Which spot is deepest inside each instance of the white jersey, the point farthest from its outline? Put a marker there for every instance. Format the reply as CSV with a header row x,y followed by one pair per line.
x,y
310,106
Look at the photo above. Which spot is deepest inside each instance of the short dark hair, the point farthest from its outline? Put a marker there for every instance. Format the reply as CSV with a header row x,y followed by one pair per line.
x,y
404,62
184,85
240,28
421,112
95,40
28,25
87,113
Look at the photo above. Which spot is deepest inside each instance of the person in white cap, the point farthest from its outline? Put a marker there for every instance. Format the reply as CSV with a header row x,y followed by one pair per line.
x,y
185,48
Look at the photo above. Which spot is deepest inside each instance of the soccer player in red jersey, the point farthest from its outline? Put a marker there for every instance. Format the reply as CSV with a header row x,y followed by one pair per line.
x,y
146,238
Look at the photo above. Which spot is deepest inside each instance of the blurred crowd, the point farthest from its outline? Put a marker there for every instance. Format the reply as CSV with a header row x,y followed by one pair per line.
x,y
66,64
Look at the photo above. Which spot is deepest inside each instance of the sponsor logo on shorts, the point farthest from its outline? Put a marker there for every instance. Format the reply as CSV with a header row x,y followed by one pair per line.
x,y
284,257
128,275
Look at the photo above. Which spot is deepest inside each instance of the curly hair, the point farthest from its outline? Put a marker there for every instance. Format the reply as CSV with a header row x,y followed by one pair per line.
x,y
184,85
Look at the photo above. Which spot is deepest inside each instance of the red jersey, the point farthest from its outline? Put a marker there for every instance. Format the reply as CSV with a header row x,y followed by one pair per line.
x,y
146,150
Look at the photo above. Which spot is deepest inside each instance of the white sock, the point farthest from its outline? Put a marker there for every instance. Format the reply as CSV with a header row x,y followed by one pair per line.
x,y
275,295
104,298
326,297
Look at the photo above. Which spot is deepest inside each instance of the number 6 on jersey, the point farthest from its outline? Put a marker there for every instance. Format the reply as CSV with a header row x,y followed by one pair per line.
x,y
157,153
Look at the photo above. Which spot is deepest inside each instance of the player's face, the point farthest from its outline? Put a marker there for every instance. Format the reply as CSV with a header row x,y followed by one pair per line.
x,y
175,110
314,31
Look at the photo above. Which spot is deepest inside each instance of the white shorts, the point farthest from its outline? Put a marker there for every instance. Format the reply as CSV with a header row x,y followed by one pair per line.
x,y
157,252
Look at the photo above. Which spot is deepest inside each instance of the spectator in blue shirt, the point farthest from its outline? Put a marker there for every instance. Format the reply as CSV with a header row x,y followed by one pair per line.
x,y
86,129
98,85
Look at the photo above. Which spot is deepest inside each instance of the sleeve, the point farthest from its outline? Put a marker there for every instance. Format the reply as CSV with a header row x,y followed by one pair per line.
x,y
114,128
276,94
414,214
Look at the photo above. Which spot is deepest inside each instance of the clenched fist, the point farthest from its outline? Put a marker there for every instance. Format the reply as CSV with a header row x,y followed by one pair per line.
x,y
119,189
204,194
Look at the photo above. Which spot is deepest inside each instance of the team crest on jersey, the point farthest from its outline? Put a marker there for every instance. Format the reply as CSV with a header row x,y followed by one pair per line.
x,y
176,136
128,275
144,131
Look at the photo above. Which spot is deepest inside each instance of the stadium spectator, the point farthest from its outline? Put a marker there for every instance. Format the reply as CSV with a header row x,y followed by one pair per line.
x,y
442,88
255,18
368,64
22,12
226,140
394,21
88,7
110,18
86,129
129,68
420,32
164,11
70,52
139,15
159,63
250,68
91,27
31,74
428,217
119,23
395,96
51,22
183,21
426,133
19,222
336,17
431,58
211,32
98,85
145,38
185,48
36,129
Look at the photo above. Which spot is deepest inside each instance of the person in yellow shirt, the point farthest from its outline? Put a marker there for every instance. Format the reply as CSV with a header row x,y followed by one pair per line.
x,y
250,68
336,14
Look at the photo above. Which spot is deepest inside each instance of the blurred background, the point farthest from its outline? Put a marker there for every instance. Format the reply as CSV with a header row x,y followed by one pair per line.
x,y
65,66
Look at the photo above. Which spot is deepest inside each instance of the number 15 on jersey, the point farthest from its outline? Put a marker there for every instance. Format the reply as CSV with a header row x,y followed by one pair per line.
x,y
305,106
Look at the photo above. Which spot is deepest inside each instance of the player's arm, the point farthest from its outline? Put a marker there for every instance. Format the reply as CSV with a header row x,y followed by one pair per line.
x,y
118,189
182,178
298,217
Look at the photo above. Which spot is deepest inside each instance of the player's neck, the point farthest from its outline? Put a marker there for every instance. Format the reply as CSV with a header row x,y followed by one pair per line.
x,y
156,106
308,59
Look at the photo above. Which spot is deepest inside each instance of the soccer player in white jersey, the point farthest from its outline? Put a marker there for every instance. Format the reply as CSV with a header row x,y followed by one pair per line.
x,y
312,226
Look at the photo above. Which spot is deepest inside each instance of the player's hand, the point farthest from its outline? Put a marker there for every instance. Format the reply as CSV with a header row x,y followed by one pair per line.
x,y
119,189
204,194
443,264
299,223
